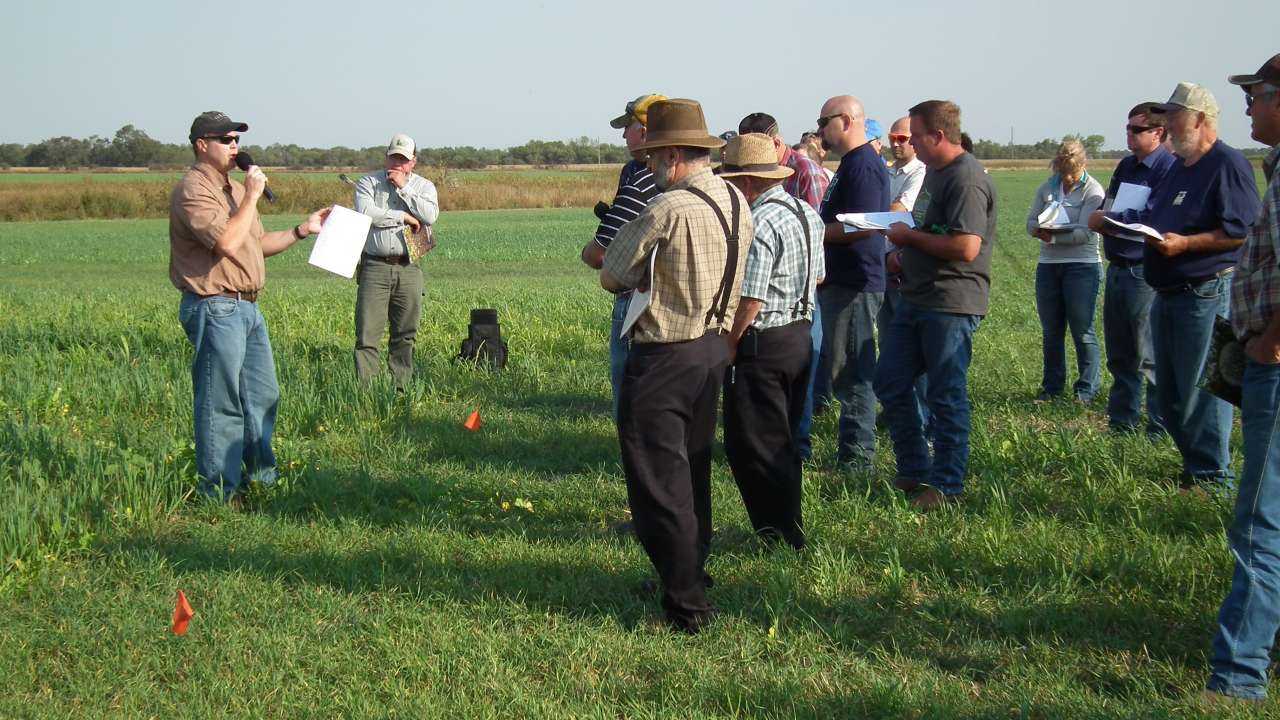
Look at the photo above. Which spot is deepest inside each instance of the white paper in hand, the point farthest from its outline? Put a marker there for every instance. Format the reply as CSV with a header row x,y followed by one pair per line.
x,y
1135,232
855,222
1054,217
1131,197
341,239
639,299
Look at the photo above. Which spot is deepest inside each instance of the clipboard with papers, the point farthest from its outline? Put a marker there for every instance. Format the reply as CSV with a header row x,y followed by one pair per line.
x,y
1054,217
639,299
1130,197
1134,232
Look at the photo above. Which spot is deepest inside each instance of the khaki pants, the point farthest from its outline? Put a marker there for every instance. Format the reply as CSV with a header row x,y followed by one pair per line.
x,y
387,292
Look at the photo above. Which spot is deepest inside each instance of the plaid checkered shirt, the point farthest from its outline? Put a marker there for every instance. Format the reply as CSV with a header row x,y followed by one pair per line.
x,y
1255,290
776,264
692,254
807,182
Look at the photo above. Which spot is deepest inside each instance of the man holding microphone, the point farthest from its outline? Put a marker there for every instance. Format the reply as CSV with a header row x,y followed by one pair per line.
x,y
217,251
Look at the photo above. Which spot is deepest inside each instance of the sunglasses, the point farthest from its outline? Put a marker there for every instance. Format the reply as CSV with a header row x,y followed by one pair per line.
x,y
1249,97
1139,129
894,138
822,121
224,139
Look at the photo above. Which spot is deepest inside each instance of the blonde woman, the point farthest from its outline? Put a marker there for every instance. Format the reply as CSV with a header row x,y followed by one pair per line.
x,y
1069,272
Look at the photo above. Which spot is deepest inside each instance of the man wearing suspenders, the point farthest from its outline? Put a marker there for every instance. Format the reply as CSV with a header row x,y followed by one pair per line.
x,y
695,236
767,384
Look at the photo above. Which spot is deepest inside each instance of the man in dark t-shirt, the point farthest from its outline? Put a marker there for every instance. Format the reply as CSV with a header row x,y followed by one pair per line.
x,y
851,296
946,281
1203,209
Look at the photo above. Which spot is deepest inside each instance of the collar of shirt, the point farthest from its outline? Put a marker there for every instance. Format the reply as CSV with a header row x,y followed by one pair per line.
x,y
1269,162
907,169
774,192
221,179
1154,156
699,177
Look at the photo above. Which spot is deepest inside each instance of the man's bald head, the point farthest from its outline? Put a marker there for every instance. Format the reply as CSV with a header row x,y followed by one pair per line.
x,y
841,123
900,141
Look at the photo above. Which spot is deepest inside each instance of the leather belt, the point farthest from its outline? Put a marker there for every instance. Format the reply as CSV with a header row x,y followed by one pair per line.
x,y
245,295
1189,284
1123,263
388,259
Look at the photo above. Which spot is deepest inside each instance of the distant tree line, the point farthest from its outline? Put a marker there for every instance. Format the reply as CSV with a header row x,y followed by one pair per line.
x,y
132,147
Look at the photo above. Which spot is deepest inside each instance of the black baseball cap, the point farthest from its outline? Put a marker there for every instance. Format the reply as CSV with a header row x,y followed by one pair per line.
x,y
1269,73
213,122
758,122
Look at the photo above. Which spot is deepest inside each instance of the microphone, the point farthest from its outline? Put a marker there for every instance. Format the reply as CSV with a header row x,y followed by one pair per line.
x,y
244,161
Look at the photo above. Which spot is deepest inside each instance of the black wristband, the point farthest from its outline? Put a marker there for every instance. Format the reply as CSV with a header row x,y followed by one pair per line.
x,y
297,234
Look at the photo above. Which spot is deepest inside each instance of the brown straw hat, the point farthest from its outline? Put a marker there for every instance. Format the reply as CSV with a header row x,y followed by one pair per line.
x,y
677,122
752,154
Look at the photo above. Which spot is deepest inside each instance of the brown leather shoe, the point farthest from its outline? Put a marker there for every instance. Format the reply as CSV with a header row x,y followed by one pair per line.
x,y
906,485
930,499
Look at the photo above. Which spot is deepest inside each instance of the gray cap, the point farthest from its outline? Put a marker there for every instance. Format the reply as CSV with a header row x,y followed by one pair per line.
x,y
214,122
1189,96
401,145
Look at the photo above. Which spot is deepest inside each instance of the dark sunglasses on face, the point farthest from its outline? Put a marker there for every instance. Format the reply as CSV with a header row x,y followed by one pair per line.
x,y
224,139
1139,129
822,121
899,138
1266,90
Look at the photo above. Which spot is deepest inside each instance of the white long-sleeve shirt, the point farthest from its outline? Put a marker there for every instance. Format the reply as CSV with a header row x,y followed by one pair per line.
x,y
386,204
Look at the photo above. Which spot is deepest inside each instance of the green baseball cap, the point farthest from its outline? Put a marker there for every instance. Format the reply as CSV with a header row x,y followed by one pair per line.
x,y
1189,96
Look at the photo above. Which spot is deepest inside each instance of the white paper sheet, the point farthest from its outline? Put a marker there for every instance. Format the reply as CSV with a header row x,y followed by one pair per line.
x,y
1136,232
1131,197
855,222
340,241
639,299
1054,217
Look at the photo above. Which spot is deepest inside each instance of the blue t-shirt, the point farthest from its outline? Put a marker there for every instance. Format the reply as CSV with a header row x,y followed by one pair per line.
x,y
1150,171
1219,191
861,184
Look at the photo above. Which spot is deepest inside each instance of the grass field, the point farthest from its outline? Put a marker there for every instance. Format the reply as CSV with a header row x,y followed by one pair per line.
x,y
404,567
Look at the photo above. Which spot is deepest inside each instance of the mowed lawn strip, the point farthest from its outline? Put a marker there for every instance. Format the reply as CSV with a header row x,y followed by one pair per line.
x,y
404,567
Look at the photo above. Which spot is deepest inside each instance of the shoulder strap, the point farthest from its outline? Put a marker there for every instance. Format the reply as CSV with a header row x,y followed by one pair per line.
x,y
720,303
801,307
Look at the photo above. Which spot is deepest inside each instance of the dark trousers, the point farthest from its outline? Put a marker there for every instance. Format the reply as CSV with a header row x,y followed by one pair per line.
x,y
666,424
764,399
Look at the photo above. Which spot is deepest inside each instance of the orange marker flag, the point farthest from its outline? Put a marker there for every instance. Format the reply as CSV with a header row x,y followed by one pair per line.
x,y
472,422
182,614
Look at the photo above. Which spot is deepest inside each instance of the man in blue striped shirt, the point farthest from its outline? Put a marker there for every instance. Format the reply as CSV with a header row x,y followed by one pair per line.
x,y
635,191
765,391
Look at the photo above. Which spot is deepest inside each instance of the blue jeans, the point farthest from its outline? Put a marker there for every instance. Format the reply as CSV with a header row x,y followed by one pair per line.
x,y
892,301
1198,422
1250,614
939,345
1066,296
1126,329
803,444
618,346
849,360
233,377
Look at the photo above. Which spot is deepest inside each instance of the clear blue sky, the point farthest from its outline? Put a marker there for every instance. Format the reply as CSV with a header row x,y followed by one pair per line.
x,y
325,73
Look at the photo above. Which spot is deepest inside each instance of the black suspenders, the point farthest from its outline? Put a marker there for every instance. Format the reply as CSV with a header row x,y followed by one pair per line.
x,y
799,309
731,264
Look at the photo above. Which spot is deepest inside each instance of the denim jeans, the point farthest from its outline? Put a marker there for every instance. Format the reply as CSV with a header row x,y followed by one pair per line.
x,y
803,444
939,345
849,360
1066,296
618,347
892,301
1198,422
1126,329
233,377
1250,614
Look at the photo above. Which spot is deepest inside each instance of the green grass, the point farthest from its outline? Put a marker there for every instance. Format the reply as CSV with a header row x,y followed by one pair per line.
x,y
404,567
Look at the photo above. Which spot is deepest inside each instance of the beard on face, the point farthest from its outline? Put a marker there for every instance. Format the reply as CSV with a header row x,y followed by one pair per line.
x,y
1185,143
662,172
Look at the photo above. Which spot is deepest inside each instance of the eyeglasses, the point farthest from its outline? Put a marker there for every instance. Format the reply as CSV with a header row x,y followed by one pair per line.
x,y
1139,129
1249,97
224,139
822,121
895,138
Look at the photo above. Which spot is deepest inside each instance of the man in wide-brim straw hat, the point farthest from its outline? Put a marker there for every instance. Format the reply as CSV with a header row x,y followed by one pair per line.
x,y
764,393
698,232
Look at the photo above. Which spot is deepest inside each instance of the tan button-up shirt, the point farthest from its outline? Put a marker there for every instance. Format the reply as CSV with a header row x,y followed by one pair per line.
x,y
199,209
690,265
